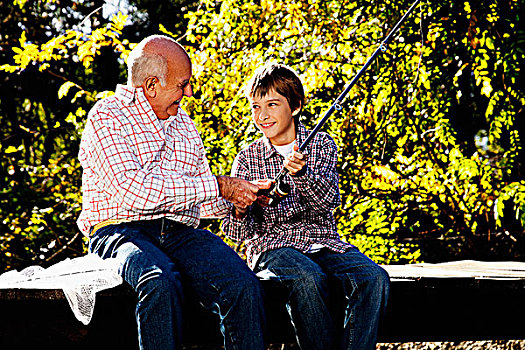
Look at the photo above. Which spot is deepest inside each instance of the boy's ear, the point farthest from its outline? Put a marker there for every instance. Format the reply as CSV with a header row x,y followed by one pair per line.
x,y
296,111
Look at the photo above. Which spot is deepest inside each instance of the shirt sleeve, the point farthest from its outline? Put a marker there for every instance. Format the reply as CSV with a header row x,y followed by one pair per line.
x,y
239,229
142,189
319,186
217,208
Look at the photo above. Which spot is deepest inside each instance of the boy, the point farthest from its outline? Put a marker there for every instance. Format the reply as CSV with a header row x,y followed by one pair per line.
x,y
297,242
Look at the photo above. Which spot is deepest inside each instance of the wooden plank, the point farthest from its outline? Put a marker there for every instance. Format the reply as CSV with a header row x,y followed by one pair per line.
x,y
427,303
462,269
31,294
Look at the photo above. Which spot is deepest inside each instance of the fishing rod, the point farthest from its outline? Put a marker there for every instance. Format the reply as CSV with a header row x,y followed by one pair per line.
x,y
280,188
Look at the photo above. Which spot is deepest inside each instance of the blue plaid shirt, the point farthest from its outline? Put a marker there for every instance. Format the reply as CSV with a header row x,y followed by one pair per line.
x,y
305,216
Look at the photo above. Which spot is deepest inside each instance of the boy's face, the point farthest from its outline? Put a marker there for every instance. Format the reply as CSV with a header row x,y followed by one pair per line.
x,y
273,116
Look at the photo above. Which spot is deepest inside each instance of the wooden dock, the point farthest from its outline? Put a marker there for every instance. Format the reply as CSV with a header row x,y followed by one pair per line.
x,y
455,301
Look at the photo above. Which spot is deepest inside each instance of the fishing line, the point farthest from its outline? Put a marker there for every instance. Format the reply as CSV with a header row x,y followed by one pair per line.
x,y
280,188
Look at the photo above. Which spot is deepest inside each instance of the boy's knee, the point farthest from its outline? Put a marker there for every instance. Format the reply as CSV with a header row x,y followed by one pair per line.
x,y
377,283
382,277
312,281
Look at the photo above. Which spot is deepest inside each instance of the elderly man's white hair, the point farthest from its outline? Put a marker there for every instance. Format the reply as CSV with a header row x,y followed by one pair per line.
x,y
143,63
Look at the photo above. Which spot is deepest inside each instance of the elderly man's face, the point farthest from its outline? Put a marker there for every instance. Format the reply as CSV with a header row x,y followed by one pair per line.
x,y
167,100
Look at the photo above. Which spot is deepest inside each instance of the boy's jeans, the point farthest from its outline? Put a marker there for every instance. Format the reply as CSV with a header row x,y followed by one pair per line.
x,y
365,287
157,256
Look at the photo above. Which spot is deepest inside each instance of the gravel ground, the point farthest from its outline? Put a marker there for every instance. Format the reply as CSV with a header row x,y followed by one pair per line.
x,y
464,345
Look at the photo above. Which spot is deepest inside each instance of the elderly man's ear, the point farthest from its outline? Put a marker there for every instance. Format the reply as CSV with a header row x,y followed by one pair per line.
x,y
150,86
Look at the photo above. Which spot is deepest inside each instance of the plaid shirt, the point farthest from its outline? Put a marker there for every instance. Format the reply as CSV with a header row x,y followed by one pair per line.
x,y
305,216
134,168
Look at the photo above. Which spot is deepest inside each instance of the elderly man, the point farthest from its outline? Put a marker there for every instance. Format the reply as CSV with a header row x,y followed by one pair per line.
x,y
146,183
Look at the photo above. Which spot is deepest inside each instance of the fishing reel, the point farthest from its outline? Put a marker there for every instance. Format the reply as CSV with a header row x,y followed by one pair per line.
x,y
276,193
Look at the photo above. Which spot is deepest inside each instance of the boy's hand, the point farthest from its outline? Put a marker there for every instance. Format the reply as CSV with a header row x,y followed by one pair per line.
x,y
295,162
263,184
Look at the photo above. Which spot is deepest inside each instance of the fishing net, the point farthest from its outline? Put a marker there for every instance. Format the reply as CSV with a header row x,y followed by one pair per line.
x,y
80,279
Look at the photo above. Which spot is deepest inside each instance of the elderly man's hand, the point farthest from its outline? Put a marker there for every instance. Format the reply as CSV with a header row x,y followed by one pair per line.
x,y
240,192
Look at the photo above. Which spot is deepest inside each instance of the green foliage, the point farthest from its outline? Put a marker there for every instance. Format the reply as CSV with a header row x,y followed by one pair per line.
x,y
40,176
515,193
429,138
56,60
406,170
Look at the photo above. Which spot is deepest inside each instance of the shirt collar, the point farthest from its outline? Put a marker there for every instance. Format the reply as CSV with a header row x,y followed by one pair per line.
x,y
135,95
127,93
301,135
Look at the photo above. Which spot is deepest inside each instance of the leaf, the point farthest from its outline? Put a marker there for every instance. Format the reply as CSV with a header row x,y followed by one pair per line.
x,y
163,29
487,88
13,149
64,89
104,94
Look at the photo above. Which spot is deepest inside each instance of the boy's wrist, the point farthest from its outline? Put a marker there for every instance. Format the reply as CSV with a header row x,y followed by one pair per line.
x,y
300,172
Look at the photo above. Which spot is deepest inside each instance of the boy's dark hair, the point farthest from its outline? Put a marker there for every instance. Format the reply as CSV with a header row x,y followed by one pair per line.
x,y
281,78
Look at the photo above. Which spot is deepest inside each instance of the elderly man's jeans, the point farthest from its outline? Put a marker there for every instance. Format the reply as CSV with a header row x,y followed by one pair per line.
x,y
364,285
157,256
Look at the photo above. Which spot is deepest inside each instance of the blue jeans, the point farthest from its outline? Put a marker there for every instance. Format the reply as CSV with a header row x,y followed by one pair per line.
x,y
364,285
158,256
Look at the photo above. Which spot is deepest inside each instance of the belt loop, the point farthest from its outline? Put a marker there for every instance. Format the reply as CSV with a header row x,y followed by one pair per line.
x,y
162,229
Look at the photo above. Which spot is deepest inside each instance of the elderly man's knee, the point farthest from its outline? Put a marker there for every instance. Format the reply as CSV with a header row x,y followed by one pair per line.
x,y
248,283
159,282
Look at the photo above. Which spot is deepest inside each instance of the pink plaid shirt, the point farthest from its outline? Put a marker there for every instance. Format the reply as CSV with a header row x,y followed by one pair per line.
x,y
305,216
136,168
